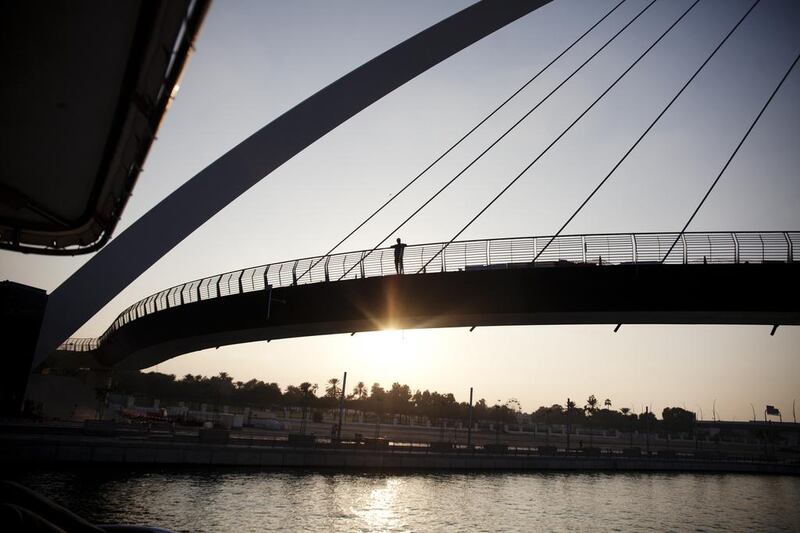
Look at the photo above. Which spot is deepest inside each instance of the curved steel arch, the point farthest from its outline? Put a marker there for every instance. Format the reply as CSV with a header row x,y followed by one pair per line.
x,y
153,235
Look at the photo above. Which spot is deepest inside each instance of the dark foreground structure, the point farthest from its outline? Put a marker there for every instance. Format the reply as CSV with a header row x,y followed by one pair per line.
x,y
22,509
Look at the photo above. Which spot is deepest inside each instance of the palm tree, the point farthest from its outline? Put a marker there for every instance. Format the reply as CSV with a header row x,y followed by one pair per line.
x,y
570,407
359,391
591,403
607,403
332,391
591,406
308,392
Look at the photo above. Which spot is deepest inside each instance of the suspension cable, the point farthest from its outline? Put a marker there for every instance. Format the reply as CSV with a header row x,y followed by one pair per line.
x,y
459,141
585,111
646,131
728,162
500,138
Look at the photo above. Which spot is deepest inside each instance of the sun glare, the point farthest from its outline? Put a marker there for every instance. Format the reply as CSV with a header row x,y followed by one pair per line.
x,y
388,343
386,353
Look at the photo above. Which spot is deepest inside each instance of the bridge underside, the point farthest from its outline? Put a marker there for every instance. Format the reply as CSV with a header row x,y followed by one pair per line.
x,y
550,294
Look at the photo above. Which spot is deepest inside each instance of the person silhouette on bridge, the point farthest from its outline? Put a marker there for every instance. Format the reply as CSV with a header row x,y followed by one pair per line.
x,y
398,256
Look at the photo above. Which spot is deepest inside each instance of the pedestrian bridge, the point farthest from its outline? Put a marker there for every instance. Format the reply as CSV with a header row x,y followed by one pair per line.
x,y
642,278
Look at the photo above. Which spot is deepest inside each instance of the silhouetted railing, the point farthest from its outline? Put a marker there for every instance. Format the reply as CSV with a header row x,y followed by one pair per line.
x,y
601,249
79,345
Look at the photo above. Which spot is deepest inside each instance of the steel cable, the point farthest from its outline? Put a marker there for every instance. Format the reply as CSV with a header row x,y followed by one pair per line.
x,y
585,111
459,141
728,162
500,138
646,131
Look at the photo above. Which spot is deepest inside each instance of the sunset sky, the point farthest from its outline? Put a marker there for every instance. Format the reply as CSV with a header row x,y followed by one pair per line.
x,y
254,60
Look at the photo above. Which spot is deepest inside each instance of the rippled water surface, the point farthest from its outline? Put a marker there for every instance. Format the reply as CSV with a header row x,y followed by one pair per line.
x,y
242,500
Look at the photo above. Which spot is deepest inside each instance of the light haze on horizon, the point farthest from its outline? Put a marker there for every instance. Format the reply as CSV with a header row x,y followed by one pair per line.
x,y
255,60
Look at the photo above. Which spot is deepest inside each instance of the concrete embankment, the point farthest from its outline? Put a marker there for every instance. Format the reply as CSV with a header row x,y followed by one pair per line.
x,y
17,451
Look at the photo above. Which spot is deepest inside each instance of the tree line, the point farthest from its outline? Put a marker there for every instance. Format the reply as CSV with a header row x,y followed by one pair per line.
x,y
395,400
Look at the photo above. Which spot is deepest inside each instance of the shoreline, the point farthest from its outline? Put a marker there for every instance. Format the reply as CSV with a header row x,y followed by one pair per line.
x,y
26,451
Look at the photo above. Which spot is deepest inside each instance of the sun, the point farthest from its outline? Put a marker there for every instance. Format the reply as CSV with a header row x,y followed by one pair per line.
x,y
389,355
388,343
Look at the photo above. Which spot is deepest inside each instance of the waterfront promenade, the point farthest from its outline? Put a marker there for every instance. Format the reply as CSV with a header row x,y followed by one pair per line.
x,y
221,448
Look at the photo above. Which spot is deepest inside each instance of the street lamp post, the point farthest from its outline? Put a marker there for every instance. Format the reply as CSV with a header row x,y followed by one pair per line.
x,y
469,421
497,422
378,411
569,420
696,439
341,407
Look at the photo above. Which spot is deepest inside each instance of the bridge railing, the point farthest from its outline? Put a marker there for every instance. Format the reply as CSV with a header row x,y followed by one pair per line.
x,y
600,249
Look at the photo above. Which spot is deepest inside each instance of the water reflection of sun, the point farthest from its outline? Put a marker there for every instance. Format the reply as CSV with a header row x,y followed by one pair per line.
x,y
379,509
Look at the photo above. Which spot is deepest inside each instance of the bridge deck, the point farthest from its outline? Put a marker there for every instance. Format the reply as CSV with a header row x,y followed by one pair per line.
x,y
563,293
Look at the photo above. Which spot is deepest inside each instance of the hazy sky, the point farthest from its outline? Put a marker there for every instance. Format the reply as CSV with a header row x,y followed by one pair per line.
x,y
255,60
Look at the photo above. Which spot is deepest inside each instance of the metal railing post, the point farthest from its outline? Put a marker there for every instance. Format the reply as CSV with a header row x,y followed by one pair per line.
x,y
583,248
266,282
327,275
181,292
199,286
760,238
361,265
685,250
294,273
280,274
789,250
735,248
444,253
634,254
241,287
219,279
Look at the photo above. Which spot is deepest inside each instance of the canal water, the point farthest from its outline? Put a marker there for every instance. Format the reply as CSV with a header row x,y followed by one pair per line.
x,y
253,500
